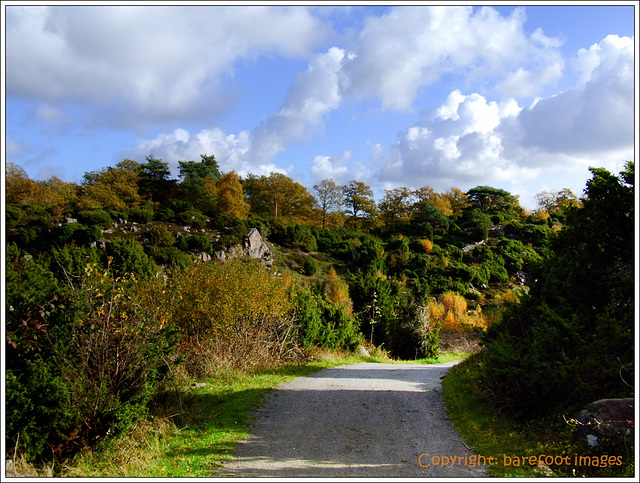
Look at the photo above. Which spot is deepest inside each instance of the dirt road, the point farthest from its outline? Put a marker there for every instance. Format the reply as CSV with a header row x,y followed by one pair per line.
x,y
365,420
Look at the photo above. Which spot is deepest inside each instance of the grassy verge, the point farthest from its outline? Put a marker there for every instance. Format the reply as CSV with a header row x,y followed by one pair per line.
x,y
492,434
197,442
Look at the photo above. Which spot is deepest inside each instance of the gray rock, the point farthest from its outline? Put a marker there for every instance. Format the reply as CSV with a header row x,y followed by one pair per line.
x,y
607,420
255,246
362,352
204,256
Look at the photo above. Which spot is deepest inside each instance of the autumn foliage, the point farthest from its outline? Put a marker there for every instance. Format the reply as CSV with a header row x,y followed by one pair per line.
x,y
237,313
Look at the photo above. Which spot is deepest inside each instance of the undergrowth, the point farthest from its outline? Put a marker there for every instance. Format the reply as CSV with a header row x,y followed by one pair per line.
x,y
491,433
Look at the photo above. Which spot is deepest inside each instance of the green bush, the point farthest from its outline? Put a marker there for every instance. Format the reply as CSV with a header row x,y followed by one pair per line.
x,y
192,218
310,266
142,214
170,256
83,352
14,213
571,341
128,257
164,214
95,217
160,236
295,236
199,243
77,233
324,324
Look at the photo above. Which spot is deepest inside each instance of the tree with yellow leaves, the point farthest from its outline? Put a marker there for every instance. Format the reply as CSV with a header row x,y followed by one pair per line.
x,y
230,196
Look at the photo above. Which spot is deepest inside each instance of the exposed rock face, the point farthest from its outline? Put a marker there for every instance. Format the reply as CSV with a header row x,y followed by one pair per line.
x,y
607,420
253,246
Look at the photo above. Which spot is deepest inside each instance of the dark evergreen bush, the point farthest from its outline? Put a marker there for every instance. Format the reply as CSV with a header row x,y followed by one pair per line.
x,y
572,341
95,217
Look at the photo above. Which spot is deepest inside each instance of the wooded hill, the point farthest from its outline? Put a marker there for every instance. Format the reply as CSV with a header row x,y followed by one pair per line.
x,y
108,297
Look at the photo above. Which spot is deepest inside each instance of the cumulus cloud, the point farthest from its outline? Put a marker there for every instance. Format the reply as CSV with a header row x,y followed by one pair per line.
x,y
314,93
145,63
332,167
593,118
230,150
455,141
475,141
409,48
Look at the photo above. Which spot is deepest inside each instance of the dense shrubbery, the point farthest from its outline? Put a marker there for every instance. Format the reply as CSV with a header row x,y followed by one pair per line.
x,y
571,341
90,331
83,350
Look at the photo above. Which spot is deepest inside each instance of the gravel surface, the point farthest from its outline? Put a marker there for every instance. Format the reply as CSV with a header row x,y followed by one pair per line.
x,y
365,420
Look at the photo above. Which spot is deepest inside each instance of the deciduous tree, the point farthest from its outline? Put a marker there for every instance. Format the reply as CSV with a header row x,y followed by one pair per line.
x,y
110,188
358,199
396,208
278,196
230,197
329,196
19,188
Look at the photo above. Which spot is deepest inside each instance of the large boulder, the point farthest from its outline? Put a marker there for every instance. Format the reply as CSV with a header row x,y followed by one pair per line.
x,y
253,246
607,421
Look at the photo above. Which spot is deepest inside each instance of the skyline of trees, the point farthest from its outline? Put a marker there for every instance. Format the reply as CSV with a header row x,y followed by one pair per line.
x,y
201,186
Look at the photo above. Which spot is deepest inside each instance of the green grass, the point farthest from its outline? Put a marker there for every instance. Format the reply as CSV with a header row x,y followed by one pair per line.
x,y
198,442
493,434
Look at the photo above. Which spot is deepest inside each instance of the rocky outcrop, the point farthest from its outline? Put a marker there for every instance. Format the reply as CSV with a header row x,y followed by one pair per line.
x,y
253,246
607,420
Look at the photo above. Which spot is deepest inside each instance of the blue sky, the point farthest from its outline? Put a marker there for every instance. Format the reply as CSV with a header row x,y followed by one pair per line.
x,y
521,98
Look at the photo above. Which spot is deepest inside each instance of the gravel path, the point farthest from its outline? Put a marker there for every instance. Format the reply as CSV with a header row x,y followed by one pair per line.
x,y
364,420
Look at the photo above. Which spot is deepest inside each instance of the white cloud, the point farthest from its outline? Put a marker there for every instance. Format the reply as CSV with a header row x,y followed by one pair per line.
x,y
314,94
13,147
454,141
472,141
411,47
329,167
147,63
589,120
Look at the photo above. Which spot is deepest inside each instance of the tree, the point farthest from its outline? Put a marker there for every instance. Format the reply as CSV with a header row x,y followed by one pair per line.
x,y
111,188
490,199
427,195
556,201
230,197
155,182
207,167
574,336
278,196
54,194
456,199
432,216
396,207
329,196
198,182
358,198
19,188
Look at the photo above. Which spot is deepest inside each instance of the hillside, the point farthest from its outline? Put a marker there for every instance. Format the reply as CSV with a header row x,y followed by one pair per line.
x,y
117,286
